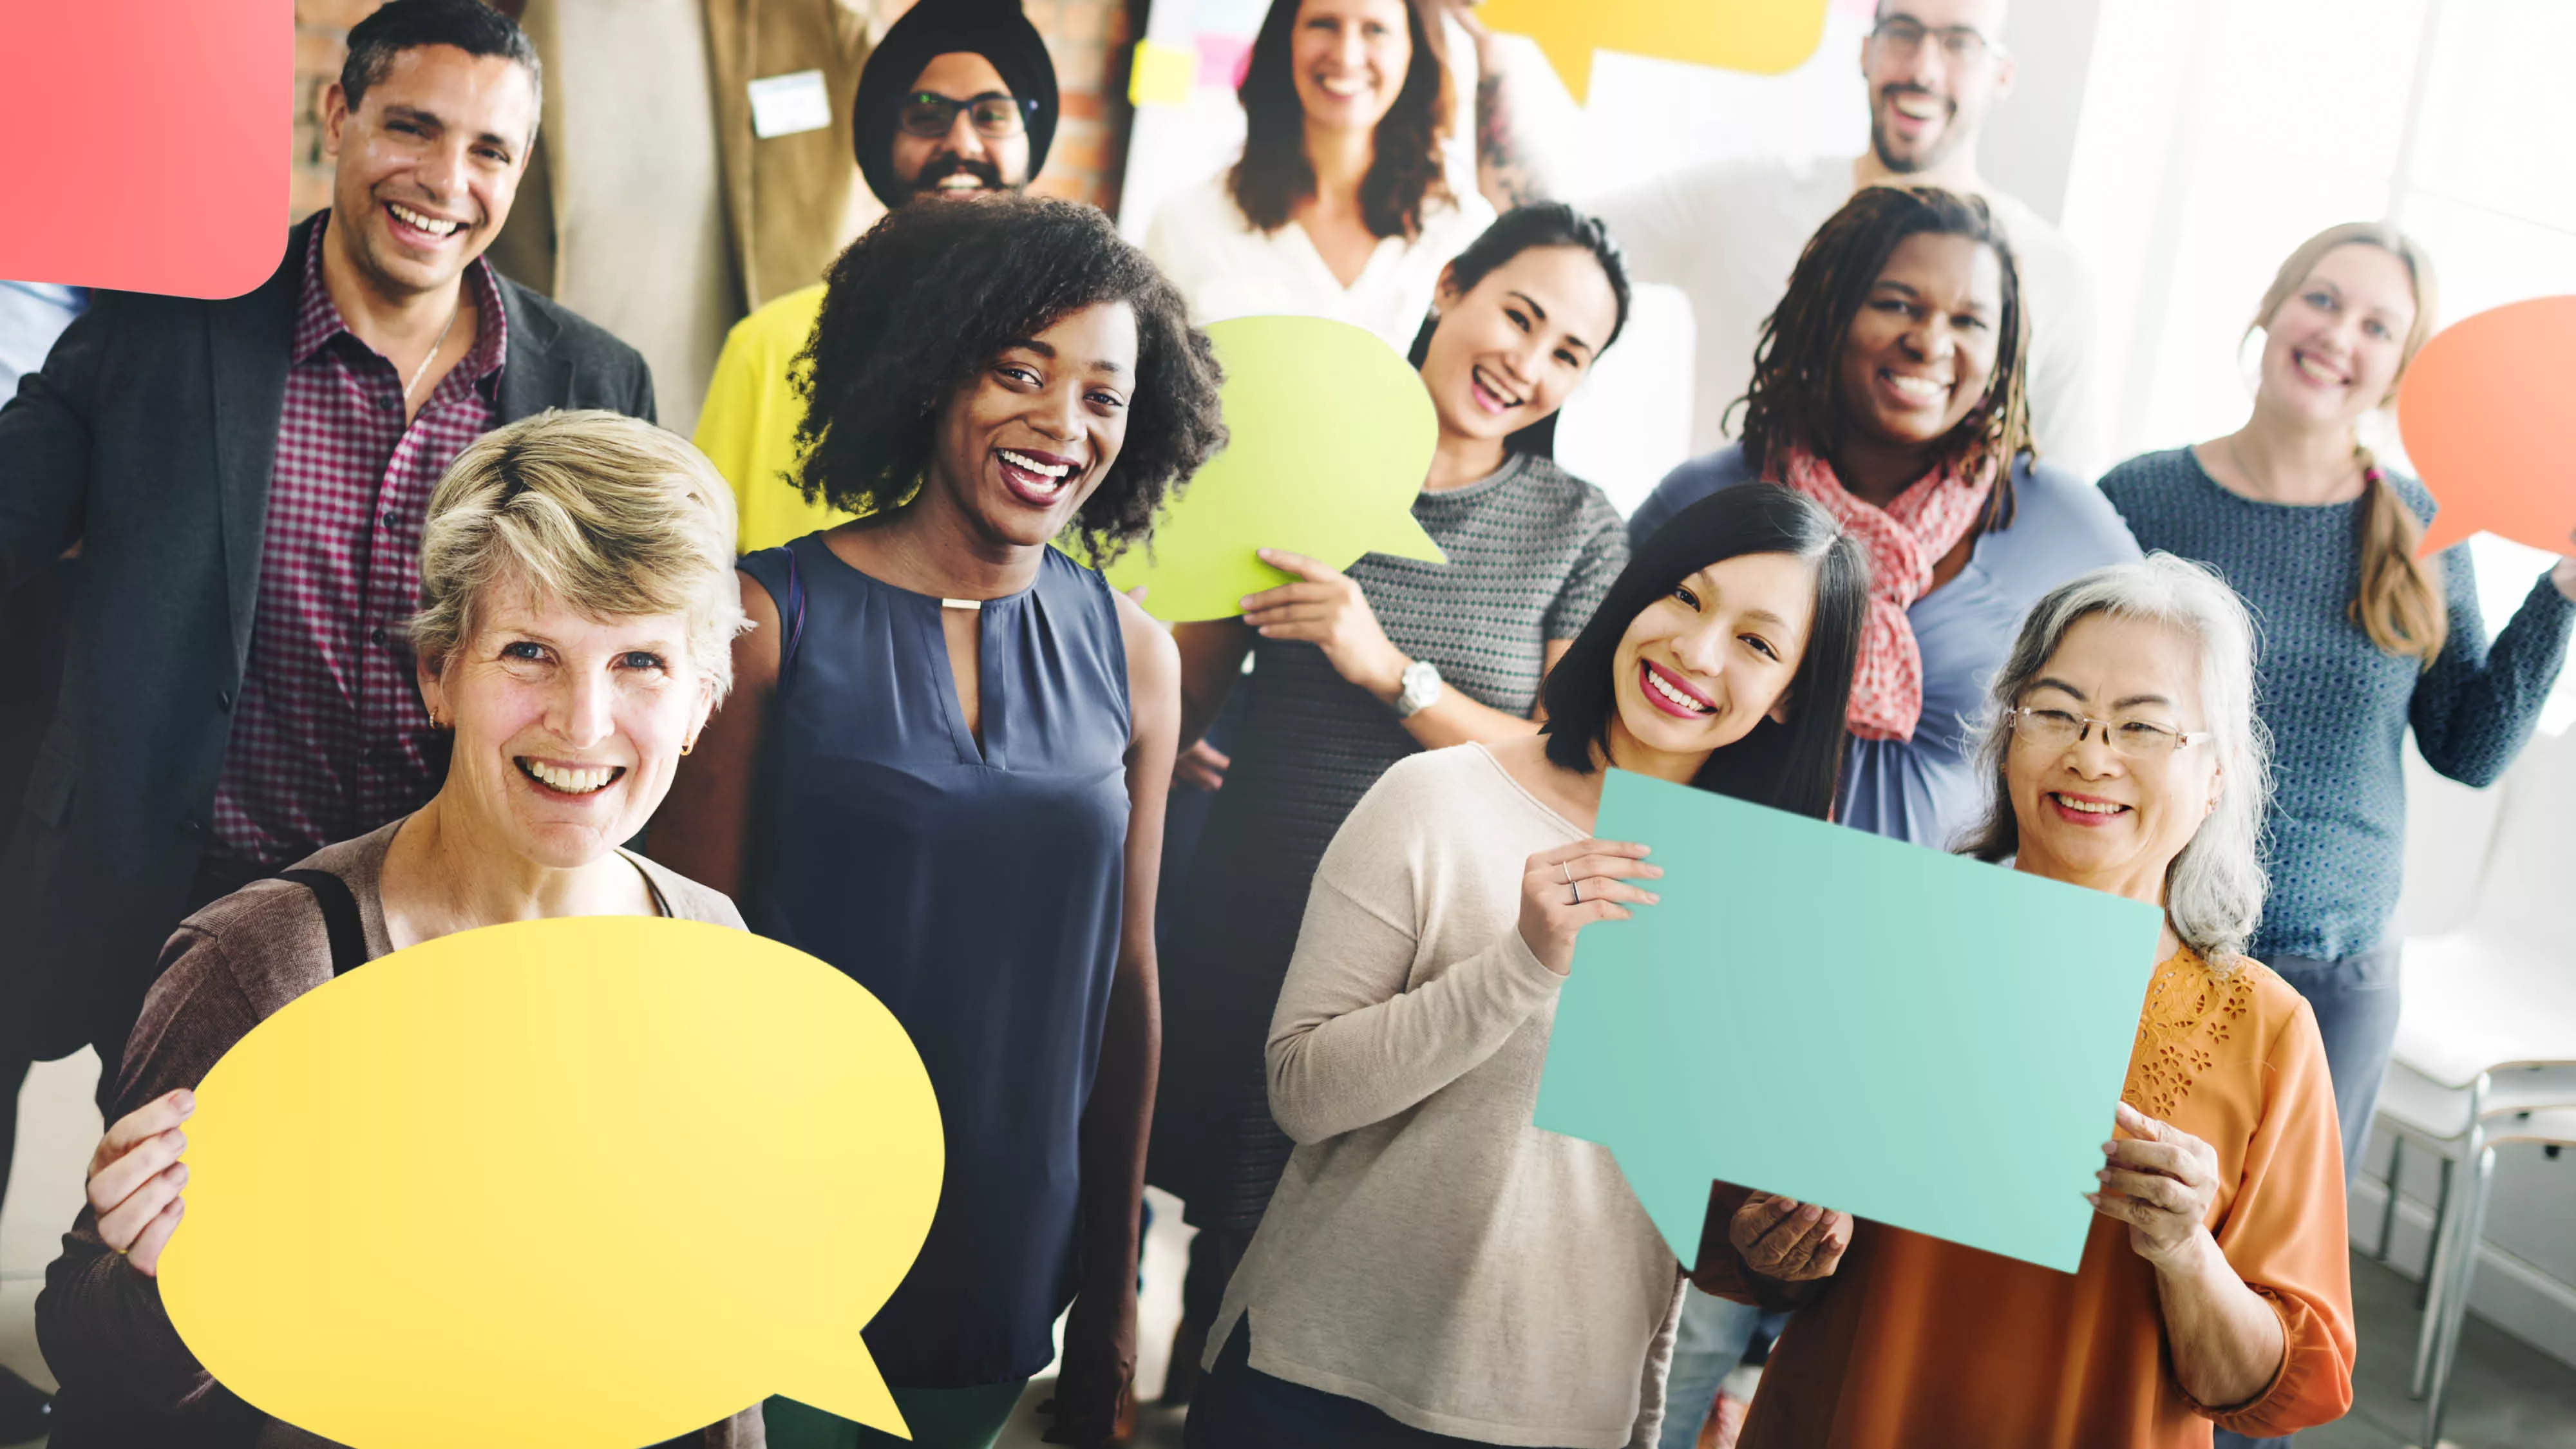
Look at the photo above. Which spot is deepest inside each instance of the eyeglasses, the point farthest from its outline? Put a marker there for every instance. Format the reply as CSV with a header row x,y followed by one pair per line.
x,y
1903,36
994,113
2139,739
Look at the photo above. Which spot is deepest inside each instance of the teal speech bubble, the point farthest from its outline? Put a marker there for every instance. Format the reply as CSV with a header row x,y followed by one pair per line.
x,y
1330,436
1811,1007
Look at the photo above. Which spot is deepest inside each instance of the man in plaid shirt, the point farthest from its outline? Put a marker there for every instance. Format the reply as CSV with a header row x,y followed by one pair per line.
x,y
246,481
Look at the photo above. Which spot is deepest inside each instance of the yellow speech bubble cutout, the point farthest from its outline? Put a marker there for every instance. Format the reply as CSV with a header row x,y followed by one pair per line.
x,y
1329,438
1765,37
564,1183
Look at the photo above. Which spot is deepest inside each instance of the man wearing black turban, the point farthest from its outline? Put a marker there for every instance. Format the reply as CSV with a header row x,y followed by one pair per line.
x,y
959,97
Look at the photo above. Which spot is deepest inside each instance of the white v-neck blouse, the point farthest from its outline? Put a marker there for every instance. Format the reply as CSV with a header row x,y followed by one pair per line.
x,y
1227,269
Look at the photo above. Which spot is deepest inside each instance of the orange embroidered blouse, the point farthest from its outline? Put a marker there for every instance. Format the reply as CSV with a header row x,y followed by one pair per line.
x,y
1920,1343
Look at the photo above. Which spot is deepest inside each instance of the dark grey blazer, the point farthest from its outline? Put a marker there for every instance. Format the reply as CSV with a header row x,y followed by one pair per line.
x,y
148,439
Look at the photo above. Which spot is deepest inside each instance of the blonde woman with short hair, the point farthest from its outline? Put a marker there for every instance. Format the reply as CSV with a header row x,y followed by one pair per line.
x,y
2361,640
578,608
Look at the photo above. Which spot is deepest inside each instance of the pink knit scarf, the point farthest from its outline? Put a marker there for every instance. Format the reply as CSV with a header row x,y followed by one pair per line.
x,y
1904,540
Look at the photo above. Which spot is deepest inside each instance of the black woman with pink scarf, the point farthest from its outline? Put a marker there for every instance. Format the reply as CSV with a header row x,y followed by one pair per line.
x,y
1889,387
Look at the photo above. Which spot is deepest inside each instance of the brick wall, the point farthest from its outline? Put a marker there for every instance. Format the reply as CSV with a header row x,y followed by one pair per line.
x,y
1090,41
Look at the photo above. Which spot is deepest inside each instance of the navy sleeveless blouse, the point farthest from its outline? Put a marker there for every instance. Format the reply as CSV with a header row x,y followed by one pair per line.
x,y
976,892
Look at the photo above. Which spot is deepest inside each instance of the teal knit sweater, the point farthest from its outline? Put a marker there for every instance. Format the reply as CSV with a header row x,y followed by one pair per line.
x,y
2337,706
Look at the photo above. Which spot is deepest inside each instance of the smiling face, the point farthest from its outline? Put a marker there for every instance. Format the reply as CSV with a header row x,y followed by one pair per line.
x,y
567,727
426,165
1928,100
1509,349
1349,59
1025,442
2333,350
961,161
1921,350
2087,813
1701,666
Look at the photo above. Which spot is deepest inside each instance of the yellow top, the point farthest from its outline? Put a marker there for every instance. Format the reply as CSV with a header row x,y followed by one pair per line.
x,y
748,427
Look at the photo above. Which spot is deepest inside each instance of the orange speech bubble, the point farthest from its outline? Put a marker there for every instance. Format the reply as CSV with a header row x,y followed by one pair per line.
x,y
2481,413
147,141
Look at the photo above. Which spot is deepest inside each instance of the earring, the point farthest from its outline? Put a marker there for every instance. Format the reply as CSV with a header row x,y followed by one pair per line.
x,y
691,743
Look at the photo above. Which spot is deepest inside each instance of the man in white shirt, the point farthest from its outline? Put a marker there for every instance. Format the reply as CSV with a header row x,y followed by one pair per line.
x,y
1728,234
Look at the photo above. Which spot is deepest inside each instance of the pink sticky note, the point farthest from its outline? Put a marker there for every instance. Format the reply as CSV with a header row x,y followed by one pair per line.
x,y
144,143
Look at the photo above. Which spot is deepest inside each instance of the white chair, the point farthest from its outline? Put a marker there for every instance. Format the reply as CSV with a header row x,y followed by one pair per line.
x,y
2486,1045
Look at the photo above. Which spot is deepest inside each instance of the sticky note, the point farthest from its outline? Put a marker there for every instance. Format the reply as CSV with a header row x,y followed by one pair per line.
x,y
790,104
1809,1006
1330,435
2481,411
1163,75
586,1184
1766,37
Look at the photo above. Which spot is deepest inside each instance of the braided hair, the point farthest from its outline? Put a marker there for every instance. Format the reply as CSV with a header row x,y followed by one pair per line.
x,y
1794,399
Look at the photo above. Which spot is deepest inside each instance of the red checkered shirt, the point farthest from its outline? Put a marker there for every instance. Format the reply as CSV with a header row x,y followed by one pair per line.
x,y
329,736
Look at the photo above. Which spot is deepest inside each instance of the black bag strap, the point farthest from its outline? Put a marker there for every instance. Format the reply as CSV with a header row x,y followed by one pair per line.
x,y
339,917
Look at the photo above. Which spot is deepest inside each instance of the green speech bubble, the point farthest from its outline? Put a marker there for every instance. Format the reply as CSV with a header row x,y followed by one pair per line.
x,y
1782,1019
1331,435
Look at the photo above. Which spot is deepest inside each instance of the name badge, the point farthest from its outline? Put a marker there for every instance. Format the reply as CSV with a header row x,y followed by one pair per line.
x,y
785,105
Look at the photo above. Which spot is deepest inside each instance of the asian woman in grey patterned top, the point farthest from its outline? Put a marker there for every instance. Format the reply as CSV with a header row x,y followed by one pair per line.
x,y
1357,670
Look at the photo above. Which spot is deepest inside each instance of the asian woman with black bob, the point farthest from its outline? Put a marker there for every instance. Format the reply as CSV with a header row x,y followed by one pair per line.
x,y
1405,1052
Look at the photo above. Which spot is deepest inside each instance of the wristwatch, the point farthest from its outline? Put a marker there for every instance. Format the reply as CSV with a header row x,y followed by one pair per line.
x,y
1421,689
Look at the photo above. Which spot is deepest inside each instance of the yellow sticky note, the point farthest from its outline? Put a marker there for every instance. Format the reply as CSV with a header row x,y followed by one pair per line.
x,y
1163,75
1766,37
1330,437
564,1183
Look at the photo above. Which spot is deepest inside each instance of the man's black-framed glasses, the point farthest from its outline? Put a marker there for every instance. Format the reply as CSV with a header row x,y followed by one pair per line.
x,y
1903,35
995,114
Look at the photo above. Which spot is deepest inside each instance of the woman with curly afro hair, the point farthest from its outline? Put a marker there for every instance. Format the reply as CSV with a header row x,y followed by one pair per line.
x,y
944,765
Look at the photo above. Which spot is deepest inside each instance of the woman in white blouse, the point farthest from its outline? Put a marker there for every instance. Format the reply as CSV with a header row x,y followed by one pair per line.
x,y
1339,207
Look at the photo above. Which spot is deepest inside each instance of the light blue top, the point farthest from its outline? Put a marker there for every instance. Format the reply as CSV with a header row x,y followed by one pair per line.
x,y
1926,789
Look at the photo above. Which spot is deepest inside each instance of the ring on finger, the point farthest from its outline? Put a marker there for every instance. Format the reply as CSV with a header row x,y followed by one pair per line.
x,y
1576,887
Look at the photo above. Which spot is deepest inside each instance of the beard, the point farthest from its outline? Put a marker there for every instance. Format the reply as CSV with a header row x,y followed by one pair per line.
x,y
943,166
1922,156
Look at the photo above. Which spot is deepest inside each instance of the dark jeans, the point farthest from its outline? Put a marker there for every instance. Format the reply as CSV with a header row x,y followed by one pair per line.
x,y
1240,1407
2355,1001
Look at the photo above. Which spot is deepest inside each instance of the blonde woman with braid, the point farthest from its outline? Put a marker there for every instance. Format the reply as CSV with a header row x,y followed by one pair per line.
x,y
2360,640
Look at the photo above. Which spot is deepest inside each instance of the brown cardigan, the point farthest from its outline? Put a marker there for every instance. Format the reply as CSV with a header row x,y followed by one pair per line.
x,y
126,1377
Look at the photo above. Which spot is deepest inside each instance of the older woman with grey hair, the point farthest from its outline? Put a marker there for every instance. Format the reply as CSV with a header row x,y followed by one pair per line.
x,y
578,608
2125,756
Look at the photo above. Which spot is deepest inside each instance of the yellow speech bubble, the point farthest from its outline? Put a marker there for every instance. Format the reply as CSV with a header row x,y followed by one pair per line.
x,y
570,1183
1329,437
1766,37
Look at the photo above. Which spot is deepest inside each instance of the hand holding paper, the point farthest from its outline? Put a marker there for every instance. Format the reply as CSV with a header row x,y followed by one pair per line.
x,y
1572,886
1789,1240
2160,1180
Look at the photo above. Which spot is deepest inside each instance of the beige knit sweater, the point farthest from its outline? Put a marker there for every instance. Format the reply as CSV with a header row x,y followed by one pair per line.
x,y
1429,1252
